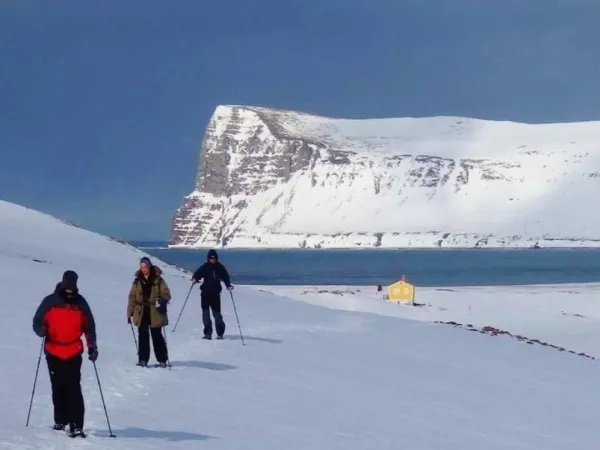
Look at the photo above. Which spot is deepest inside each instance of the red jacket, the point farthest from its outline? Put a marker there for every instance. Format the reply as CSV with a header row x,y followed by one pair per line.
x,y
66,320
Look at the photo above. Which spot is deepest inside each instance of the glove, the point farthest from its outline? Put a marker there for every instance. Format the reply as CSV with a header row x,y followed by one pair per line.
x,y
128,319
92,353
43,331
194,281
161,305
230,288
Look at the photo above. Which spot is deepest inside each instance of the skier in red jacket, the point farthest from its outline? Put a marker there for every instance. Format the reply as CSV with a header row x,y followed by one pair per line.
x,y
62,318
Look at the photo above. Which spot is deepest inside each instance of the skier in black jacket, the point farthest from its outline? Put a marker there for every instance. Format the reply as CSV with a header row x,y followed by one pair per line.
x,y
212,273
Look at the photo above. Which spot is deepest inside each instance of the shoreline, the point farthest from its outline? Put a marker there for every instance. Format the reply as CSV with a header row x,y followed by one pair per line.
x,y
359,249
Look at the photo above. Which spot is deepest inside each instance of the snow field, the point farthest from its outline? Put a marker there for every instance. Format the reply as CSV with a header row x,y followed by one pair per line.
x,y
310,376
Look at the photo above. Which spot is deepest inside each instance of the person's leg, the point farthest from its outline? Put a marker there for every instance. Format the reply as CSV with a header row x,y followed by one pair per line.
x,y
58,383
205,305
144,337
215,305
74,394
158,342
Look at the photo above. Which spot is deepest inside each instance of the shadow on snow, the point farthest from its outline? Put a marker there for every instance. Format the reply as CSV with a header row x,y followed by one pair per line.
x,y
203,365
252,338
171,436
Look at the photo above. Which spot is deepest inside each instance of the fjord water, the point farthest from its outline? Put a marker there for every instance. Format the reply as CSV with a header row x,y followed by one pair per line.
x,y
424,267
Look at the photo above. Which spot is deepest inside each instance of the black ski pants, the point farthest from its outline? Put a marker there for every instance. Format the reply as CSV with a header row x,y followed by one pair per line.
x,y
65,379
158,341
212,302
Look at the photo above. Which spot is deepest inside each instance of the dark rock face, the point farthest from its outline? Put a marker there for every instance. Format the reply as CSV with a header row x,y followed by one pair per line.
x,y
253,158
243,153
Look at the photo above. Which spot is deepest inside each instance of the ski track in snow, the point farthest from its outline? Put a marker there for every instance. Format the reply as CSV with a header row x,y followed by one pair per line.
x,y
311,376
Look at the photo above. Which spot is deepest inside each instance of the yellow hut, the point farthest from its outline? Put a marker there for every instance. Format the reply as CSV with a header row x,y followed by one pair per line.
x,y
401,291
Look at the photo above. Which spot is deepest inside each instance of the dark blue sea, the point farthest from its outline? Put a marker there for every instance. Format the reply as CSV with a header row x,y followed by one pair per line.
x,y
435,267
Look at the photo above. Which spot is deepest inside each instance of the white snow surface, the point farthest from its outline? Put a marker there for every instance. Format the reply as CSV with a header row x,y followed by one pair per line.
x,y
566,315
311,376
396,182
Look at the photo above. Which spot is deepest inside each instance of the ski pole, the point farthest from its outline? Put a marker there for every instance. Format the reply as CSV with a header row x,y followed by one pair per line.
x,y
137,349
183,307
237,318
167,348
103,403
35,381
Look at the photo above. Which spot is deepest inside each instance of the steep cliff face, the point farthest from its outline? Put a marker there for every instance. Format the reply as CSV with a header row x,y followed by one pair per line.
x,y
271,178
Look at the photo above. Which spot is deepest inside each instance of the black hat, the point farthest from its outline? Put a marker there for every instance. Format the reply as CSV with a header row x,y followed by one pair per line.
x,y
212,253
69,280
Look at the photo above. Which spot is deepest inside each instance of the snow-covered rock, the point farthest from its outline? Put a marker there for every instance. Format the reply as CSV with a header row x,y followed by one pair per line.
x,y
273,178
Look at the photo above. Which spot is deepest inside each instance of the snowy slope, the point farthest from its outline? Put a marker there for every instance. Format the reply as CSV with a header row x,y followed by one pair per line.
x,y
271,178
309,377
565,315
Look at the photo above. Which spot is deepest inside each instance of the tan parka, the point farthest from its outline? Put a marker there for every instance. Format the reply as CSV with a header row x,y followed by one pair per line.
x,y
159,289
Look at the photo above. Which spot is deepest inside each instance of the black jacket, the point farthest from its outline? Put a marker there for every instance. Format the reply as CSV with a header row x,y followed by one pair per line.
x,y
212,274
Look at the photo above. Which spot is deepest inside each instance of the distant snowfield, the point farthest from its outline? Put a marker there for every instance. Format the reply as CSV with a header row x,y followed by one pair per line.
x,y
567,315
311,376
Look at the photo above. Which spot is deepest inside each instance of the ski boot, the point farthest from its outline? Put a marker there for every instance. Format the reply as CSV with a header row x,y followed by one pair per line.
x,y
77,432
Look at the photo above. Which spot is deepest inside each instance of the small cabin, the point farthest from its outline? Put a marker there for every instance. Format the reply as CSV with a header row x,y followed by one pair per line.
x,y
401,291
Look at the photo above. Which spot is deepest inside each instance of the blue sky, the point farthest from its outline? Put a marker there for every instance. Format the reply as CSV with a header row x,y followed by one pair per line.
x,y
103,104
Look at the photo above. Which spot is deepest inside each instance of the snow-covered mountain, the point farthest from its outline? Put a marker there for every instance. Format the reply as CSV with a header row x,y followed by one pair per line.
x,y
311,376
273,178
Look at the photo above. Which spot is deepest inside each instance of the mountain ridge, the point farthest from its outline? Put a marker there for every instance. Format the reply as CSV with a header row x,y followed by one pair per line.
x,y
280,178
